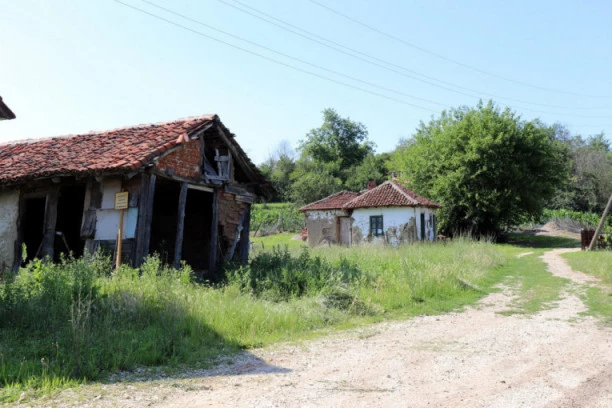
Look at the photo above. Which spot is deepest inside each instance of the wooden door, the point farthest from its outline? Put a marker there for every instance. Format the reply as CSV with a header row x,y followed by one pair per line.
x,y
345,231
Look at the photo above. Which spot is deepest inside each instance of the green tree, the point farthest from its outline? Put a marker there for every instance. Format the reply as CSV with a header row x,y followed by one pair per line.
x,y
590,182
313,181
487,167
329,156
373,167
278,168
338,140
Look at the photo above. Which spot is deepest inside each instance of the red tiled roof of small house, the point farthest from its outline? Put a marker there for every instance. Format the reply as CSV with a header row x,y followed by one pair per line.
x,y
390,194
332,202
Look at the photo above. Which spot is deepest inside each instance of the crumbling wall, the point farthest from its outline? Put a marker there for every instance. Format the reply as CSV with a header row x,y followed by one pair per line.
x,y
322,227
9,212
185,161
400,225
230,212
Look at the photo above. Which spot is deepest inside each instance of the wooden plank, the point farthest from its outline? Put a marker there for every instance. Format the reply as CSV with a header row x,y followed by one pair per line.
x,y
140,224
19,240
230,252
180,225
148,204
214,233
244,245
48,243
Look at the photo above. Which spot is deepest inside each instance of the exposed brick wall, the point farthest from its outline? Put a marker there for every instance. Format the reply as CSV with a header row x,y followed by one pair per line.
x,y
230,211
184,161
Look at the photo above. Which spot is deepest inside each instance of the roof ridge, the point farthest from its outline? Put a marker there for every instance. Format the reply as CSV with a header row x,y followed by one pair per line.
x,y
325,198
207,116
399,188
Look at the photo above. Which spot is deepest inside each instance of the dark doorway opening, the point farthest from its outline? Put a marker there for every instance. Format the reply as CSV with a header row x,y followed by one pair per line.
x,y
196,235
163,223
69,218
32,225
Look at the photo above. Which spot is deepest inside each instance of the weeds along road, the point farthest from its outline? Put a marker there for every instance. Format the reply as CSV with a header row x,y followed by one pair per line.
x,y
479,358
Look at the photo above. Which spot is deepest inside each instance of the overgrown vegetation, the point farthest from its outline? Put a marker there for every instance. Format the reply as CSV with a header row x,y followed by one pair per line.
x,y
78,320
575,219
273,218
488,168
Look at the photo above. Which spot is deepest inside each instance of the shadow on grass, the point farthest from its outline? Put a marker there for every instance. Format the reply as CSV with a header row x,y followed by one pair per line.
x,y
531,240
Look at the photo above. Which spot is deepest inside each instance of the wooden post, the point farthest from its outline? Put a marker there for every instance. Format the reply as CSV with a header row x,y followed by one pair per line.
x,y
214,233
121,204
119,239
601,223
244,237
145,210
180,225
149,215
48,243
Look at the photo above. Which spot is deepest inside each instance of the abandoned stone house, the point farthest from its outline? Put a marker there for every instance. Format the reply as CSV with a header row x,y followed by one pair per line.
x,y
189,192
389,213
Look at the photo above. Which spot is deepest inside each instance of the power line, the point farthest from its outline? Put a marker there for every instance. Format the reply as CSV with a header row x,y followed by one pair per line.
x,y
411,45
272,59
351,53
289,56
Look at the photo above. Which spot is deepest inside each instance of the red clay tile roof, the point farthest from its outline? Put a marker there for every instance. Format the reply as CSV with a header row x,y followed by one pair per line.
x,y
332,202
117,150
390,194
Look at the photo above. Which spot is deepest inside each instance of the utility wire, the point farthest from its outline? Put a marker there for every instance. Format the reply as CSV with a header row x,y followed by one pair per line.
x,y
351,53
290,56
411,45
272,59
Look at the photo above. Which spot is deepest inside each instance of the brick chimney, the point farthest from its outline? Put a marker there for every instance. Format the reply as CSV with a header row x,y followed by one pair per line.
x,y
371,184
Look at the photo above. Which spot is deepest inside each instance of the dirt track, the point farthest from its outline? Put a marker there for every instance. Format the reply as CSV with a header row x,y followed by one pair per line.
x,y
479,358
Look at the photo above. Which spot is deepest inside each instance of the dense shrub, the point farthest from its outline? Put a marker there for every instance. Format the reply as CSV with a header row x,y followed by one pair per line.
x,y
279,275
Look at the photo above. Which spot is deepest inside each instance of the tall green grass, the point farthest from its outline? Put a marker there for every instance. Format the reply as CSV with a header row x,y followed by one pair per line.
x,y
80,320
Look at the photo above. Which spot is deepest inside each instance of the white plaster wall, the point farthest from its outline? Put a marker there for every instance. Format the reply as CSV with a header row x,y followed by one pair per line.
x,y
394,217
321,225
107,218
109,188
9,212
107,224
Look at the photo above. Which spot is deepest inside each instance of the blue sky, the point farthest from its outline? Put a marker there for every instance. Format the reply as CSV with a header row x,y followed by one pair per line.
x,y
69,67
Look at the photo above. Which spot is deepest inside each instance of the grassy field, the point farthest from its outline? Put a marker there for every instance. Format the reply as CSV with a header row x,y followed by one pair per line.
x,y
599,264
80,321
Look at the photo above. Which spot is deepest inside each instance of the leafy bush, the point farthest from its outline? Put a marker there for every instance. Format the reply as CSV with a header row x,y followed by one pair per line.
x,y
278,275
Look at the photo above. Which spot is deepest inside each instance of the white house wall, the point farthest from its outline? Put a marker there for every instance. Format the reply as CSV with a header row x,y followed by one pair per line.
x,y
9,212
107,218
400,224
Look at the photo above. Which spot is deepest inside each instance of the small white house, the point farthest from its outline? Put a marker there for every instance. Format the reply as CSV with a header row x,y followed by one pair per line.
x,y
389,213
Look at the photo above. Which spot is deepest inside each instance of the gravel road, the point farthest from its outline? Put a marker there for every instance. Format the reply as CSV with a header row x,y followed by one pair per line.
x,y
477,358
